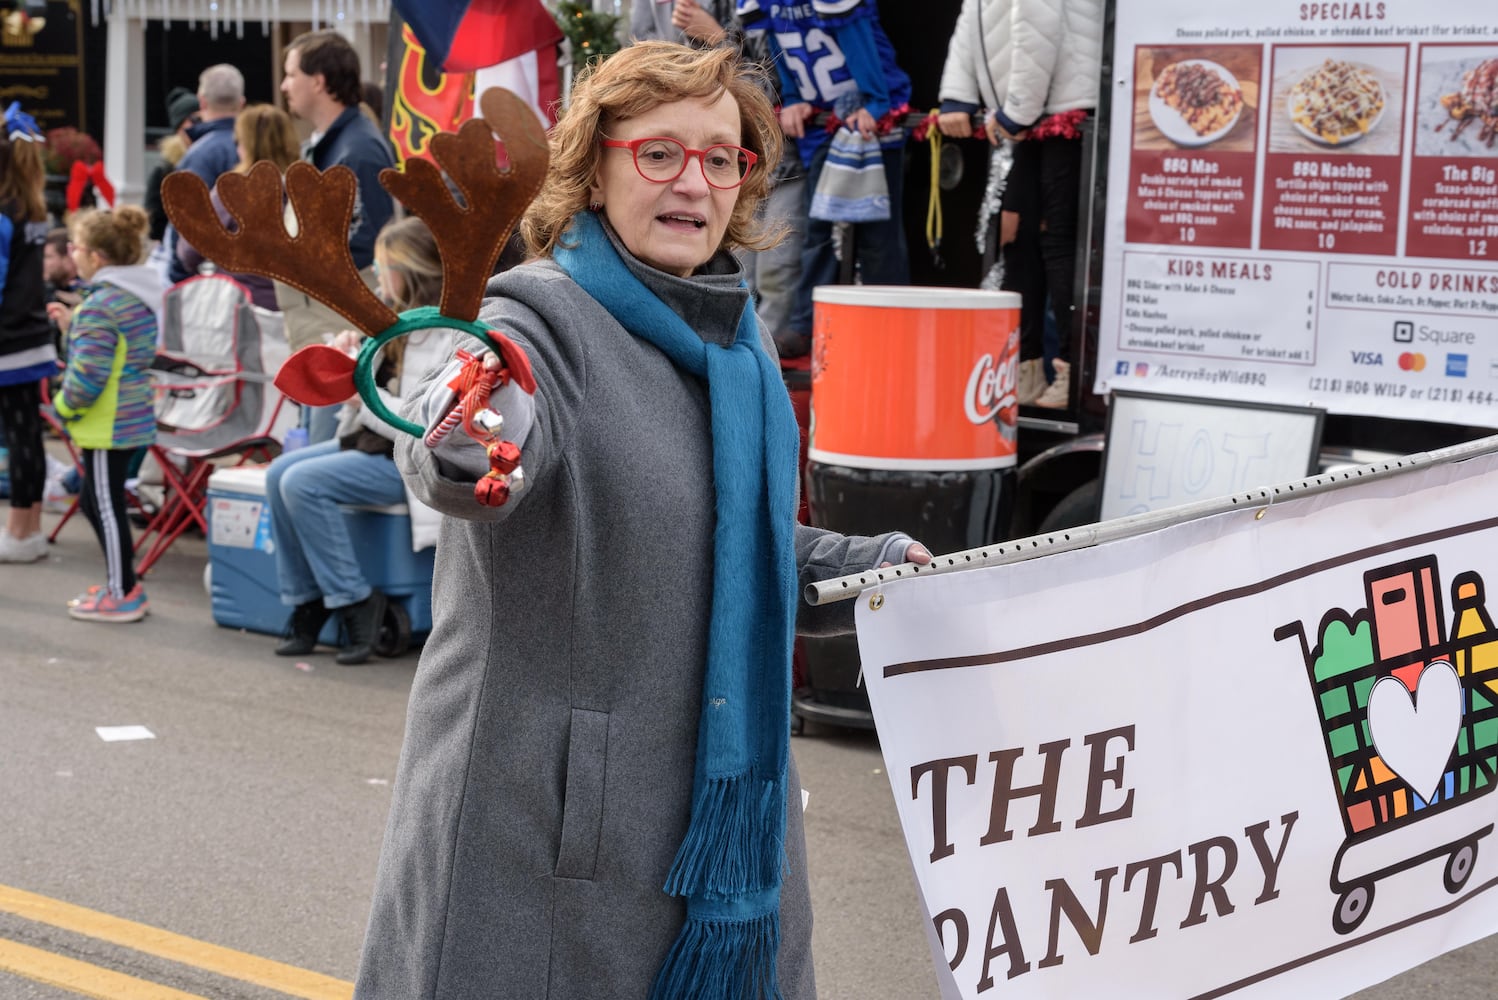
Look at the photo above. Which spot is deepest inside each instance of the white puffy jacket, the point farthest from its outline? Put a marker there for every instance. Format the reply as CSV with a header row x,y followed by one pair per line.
x,y
1030,58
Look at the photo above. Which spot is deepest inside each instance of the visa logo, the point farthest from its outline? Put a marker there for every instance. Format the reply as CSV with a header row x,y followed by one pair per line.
x,y
1367,358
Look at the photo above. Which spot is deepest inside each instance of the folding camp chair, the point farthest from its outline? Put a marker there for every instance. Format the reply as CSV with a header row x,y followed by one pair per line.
x,y
215,398
49,416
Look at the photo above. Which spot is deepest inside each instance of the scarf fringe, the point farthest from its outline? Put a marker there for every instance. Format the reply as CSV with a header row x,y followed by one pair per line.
x,y
716,959
728,848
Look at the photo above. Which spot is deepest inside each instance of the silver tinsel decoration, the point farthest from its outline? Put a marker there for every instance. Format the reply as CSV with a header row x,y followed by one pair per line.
x,y
999,162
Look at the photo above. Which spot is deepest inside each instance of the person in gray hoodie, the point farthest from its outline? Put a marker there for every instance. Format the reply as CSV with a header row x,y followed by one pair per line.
x,y
595,797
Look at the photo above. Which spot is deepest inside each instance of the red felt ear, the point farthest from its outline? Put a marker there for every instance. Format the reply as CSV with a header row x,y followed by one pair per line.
x,y
317,375
516,361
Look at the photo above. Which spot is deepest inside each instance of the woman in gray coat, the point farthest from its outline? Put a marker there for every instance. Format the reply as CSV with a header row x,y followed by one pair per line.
x,y
595,797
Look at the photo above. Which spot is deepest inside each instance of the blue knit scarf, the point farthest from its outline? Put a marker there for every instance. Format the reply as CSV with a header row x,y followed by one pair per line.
x,y
730,863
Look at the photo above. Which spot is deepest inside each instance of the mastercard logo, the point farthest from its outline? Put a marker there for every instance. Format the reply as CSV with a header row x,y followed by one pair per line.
x,y
1412,361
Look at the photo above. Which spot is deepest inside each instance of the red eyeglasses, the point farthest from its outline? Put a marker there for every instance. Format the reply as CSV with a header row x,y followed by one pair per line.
x,y
662,160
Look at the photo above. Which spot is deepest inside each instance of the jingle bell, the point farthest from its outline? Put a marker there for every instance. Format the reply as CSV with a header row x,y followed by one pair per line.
x,y
492,491
504,456
489,421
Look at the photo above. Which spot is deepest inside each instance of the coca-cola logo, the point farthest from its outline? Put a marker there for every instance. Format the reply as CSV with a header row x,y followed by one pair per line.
x,y
991,387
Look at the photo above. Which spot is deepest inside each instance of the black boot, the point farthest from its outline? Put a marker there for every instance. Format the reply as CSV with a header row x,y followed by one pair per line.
x,y
303,628
362,622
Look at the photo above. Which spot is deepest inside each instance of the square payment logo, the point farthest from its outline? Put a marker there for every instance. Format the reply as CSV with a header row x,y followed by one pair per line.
x,y
1404,331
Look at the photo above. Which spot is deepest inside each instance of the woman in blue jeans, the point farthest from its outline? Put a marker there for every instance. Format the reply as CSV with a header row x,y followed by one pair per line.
x,y
319,573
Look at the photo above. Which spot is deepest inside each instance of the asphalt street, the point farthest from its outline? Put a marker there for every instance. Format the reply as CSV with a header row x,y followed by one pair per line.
x,y
232,854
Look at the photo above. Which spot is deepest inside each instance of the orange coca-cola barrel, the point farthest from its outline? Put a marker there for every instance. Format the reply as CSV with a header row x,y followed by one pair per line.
x,y
914,378
913,427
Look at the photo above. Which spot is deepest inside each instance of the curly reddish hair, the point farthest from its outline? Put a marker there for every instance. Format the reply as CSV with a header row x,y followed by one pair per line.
x,y
637,80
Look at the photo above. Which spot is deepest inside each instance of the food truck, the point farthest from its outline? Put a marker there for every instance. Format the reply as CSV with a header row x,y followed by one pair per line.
x,y
1292,205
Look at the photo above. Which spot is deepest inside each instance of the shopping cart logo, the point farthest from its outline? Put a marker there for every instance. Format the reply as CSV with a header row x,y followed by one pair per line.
x,y
1409,720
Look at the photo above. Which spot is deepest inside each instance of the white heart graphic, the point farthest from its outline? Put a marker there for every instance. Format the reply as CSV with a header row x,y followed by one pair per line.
x,y
1415,737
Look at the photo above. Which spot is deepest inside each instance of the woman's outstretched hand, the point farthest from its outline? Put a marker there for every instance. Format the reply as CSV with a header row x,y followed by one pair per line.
x,y
916,553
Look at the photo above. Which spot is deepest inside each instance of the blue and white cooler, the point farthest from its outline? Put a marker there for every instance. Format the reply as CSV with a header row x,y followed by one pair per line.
x,y
242,568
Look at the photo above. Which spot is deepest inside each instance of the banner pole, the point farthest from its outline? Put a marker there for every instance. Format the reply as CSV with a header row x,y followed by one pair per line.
x,y
845,588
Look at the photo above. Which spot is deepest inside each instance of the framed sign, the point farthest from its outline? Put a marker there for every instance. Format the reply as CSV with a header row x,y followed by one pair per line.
x,y
41,62
1163,451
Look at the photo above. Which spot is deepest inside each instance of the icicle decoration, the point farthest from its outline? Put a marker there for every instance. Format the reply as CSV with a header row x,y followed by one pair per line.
x,y
217,13
999,163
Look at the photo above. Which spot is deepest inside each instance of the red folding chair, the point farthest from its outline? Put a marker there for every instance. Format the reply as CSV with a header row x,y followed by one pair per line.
x,y
49,416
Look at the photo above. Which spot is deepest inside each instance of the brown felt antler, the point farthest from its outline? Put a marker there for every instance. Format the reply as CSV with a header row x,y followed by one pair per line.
x,y
316,260
471,236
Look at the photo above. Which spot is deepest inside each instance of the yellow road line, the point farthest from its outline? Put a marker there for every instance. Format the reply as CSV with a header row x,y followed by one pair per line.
x,y
80,977
227,962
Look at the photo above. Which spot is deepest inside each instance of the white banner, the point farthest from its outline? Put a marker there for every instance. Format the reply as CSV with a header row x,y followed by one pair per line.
x,y
1242,755
1302,205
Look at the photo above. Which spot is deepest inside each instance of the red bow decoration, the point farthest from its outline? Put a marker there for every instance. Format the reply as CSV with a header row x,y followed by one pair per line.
x,y
79,177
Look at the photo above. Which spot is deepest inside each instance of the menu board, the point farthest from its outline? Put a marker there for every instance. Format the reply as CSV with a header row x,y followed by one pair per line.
x,y
1303,206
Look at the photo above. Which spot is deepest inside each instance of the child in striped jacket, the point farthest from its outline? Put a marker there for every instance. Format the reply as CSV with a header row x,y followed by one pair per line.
x,y
106,392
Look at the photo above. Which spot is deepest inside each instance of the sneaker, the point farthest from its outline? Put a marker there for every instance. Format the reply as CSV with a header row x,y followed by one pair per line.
x,y
1057,395
89,595
1031,382
22,550
105,607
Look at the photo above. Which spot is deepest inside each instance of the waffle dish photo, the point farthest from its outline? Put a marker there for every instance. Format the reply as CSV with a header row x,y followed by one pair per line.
x,y
1476,101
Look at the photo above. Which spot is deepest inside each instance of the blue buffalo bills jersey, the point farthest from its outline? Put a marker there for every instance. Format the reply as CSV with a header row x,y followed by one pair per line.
x,y
827,51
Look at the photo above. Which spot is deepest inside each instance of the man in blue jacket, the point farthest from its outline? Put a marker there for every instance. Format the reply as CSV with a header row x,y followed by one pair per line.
x,y
322,87
213,150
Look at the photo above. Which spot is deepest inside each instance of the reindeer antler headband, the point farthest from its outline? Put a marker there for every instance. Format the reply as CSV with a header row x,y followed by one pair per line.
x,y
317,261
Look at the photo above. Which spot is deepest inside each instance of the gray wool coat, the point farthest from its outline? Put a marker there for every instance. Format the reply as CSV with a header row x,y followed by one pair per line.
x,y
545,781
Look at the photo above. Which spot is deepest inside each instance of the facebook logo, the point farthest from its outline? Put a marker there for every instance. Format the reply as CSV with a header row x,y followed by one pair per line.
x,y
1121,368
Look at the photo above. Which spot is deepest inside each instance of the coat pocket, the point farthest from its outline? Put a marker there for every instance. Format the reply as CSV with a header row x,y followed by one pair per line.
x,y
582,804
